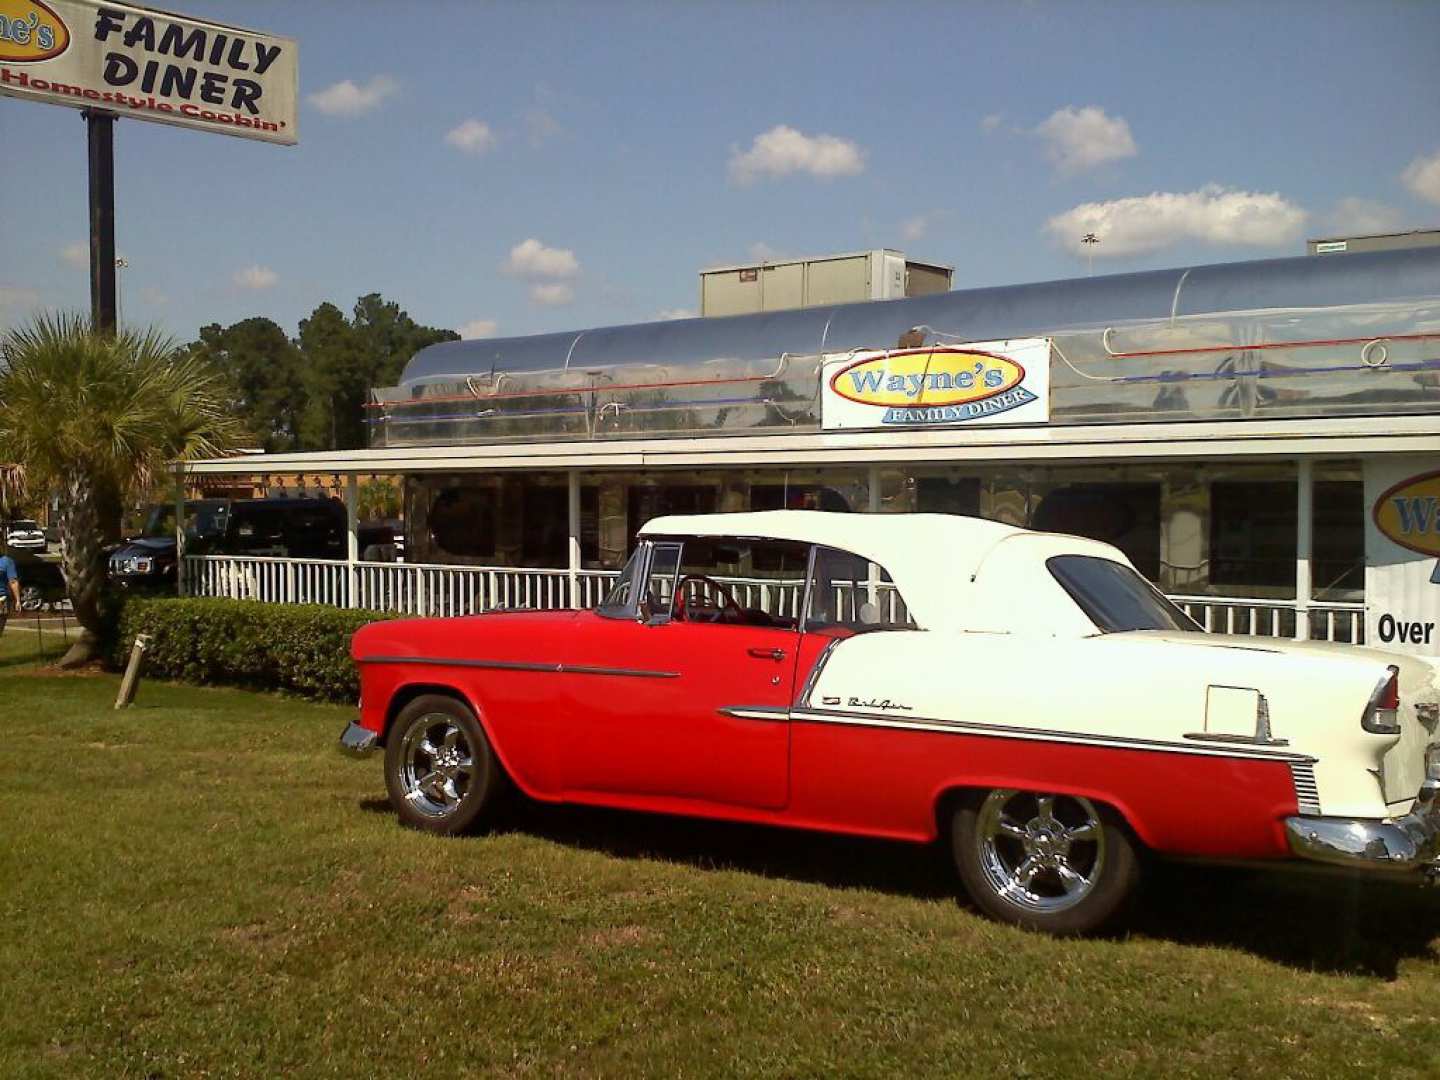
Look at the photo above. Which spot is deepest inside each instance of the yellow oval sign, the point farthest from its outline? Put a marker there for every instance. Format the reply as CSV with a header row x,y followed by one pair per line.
x,y
913,378
1409,514
30,31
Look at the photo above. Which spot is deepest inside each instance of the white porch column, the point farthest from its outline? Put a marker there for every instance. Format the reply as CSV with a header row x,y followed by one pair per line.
x,y
179,529
352,540
1304,544
572,512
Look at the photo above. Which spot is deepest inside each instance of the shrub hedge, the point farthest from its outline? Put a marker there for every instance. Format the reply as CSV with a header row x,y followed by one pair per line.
x,y
300,648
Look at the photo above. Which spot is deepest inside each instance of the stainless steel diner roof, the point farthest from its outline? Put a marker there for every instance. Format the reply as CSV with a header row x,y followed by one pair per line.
x,y
969,315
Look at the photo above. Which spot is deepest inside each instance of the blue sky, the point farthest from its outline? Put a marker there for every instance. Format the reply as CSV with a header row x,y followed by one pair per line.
x,y
632,144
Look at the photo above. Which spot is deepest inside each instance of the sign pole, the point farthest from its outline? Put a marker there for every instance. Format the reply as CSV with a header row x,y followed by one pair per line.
x,y
100,132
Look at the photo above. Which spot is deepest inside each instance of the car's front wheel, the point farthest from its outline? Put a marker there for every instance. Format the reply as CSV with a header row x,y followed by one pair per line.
x,y
1056,863
440,772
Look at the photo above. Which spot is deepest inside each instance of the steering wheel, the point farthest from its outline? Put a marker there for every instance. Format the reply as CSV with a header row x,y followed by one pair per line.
x,y
726,611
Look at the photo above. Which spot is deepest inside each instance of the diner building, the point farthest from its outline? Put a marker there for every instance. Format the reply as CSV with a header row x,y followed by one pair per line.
x,y
1235,429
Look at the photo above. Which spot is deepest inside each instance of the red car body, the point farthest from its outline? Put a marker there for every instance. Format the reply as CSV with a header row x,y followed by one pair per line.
x,y
630,715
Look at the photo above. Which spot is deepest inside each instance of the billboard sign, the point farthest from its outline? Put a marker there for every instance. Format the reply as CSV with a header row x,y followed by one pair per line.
x,y
988,382
1402,555
150,65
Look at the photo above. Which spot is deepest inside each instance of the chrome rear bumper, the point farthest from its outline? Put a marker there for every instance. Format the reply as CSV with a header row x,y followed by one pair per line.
x,y
1403,845
358,742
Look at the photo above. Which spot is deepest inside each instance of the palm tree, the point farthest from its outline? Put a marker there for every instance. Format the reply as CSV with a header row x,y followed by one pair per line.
x,y
92,417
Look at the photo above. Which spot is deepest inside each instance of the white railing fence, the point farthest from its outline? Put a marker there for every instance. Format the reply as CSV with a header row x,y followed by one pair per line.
x,y
440,590
1331,621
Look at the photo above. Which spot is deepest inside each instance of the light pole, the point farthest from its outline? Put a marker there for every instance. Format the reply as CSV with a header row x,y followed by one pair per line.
x,y
121,263
1090,240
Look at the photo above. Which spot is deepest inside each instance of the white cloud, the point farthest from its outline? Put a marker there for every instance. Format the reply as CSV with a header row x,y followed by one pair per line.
x,y
782,151
990,122
1211,215
1422,177
153,296
552,294
471,136
763,252
256,277
532,259
76,254
1359,216
671,313
478,328
346,98
1080,139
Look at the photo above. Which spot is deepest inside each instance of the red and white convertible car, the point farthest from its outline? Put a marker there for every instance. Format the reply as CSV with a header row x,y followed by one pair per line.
x,y
1027,696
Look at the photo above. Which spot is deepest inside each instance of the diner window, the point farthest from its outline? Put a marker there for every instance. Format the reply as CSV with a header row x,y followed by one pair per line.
x,y
1126,515
1338,544
462,521
544,526
1252,533
797,497
946,495
850,592
645,503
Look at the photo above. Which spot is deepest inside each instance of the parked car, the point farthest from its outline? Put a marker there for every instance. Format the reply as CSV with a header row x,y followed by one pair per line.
x,y
298,528
42,584
25,535
1028,697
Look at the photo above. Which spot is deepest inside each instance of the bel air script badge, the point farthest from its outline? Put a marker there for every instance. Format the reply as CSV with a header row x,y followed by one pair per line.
x,y
884,704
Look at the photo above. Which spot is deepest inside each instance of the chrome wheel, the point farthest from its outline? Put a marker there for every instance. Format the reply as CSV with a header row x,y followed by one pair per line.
x,y
437,765
1041,853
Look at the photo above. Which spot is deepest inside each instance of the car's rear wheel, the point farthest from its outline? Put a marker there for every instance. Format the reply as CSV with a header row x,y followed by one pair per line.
x,y
1057,863
440,772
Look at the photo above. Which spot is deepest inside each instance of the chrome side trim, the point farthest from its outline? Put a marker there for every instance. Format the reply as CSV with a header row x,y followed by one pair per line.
x,y
516,665
1000,731
756,712
1307,792
358,742
1244,740
803,700
1409,844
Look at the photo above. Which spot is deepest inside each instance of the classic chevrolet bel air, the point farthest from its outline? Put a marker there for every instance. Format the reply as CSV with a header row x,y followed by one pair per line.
x,y
1028,697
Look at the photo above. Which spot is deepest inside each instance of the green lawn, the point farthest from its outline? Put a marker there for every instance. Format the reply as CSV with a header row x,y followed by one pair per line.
x,y
202,886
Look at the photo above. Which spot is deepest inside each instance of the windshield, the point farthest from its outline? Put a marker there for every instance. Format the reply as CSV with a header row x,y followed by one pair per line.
x,y
1114,596
201,519
24,526
619,603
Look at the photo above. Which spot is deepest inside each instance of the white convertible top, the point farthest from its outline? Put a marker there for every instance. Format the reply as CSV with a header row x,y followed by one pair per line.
x,y
935,560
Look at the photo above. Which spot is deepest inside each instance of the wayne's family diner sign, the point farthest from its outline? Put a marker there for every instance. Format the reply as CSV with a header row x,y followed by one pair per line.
x,y
989,382
150,65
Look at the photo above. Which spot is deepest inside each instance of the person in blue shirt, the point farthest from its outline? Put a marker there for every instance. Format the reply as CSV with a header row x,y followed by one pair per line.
x,y
10,599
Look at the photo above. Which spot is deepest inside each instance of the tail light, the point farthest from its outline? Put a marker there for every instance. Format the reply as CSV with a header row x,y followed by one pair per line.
x,y
1382,714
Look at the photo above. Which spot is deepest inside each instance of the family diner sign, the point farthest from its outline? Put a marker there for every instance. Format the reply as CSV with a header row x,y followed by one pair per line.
x,y
150,65
988,382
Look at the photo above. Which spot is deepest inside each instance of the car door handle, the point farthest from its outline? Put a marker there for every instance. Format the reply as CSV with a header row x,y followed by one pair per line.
x,y
767,654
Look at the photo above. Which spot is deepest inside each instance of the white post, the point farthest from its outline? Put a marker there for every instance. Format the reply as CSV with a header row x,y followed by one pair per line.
x,y
1304,543
872,584
572,504
352,539
179,529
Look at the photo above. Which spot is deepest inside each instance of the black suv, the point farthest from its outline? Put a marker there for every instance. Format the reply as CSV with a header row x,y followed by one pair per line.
x,y
297,528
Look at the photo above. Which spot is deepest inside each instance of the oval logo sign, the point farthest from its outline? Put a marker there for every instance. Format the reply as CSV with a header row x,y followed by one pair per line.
x,y
915,378
30,31
1409,514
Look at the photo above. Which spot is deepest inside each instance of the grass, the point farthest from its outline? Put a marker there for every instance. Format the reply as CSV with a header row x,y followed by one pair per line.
x,y
201,886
